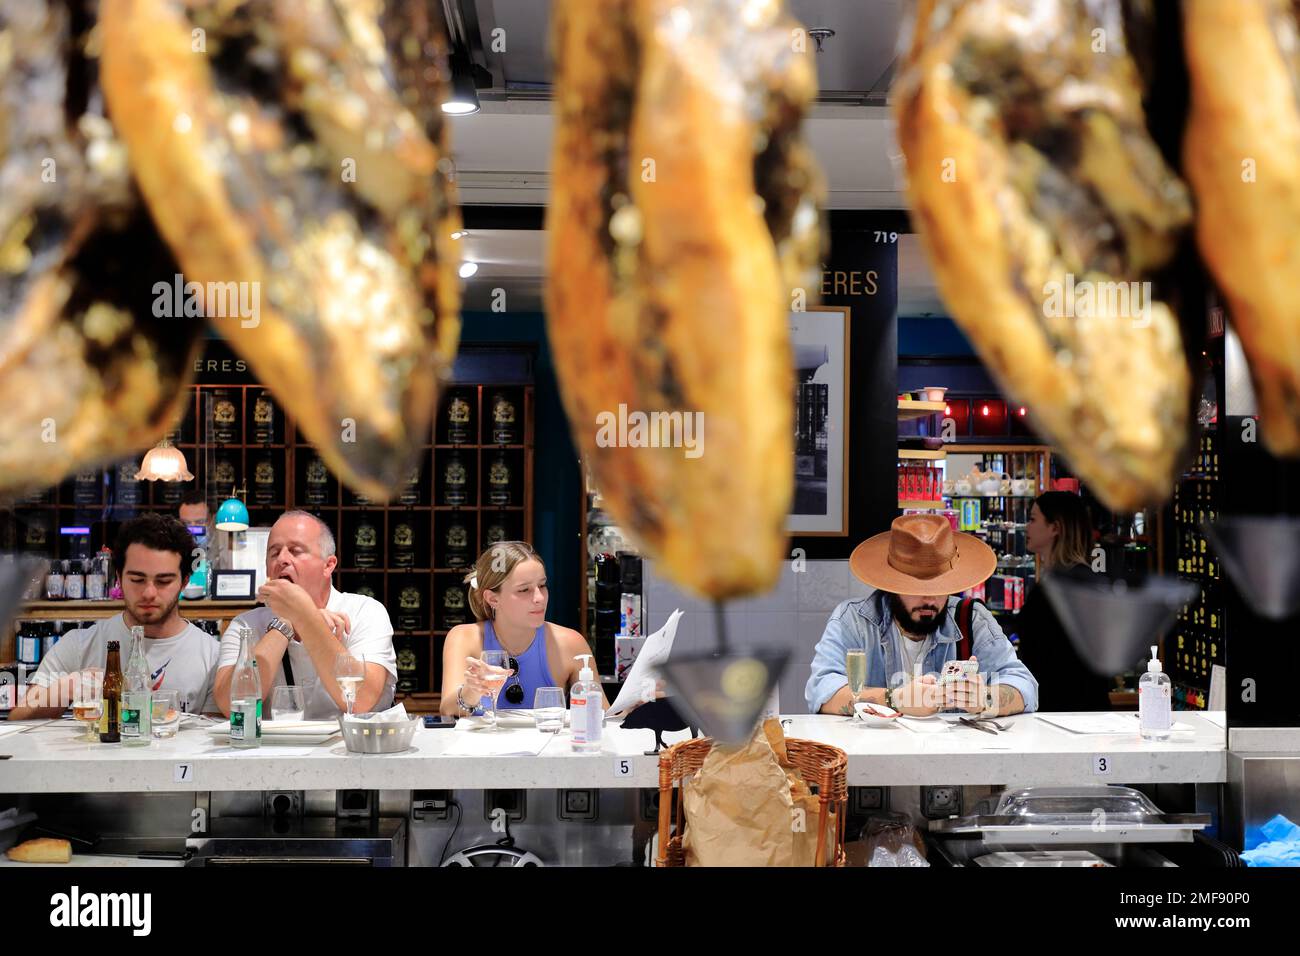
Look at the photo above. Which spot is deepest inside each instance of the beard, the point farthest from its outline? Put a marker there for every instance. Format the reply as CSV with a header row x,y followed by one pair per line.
x,y
922,625
155,615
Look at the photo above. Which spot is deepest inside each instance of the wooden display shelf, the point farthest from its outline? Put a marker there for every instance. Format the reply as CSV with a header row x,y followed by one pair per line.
x,y
908,410
921,505
923,454
423,702
292,452
99,610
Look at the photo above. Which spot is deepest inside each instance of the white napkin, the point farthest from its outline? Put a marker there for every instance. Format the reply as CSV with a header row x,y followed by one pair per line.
x,y
392,715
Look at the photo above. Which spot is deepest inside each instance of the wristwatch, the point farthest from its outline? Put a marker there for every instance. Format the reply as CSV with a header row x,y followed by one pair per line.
x,y
284,627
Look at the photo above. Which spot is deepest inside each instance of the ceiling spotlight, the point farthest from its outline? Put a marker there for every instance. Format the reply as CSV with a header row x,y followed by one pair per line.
x,y
467,269
463,97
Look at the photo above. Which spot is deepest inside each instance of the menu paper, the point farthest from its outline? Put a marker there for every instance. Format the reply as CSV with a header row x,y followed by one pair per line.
x,y
656,650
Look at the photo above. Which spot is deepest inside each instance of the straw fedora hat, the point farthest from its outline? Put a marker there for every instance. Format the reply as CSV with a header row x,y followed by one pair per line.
x,y
921,554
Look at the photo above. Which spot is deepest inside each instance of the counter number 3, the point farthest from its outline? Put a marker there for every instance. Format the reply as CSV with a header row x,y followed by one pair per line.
x,y
1101,765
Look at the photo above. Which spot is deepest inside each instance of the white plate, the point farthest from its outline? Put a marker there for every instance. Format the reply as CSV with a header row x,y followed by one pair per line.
x,y
506,718
863,714
287,731
924,725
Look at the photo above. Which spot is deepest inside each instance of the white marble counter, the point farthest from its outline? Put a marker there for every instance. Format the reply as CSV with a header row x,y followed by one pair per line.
x,y
50,760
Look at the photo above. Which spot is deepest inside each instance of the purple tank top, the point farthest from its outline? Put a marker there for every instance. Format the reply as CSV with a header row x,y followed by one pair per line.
x,y
534,672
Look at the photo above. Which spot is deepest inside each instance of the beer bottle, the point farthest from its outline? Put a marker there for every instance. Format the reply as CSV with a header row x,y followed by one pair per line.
x,y
110,731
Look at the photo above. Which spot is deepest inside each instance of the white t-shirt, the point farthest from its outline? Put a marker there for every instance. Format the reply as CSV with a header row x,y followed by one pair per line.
x,y
913,651
186,663
371,636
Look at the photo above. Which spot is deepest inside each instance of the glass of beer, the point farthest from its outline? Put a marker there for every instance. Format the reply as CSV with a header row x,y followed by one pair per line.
x,y
87,698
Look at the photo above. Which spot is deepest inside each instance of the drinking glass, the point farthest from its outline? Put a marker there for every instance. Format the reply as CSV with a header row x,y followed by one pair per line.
x,y
855,668
286,703
87,699
497,662
349,671
166,712
548,709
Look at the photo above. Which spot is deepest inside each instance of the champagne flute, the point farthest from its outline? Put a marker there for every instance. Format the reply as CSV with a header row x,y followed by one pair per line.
x,y
497,661
349,671
855,668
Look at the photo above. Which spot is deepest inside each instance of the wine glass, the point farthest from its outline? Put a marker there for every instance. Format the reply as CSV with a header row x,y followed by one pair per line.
x,y
496,679
855,668
349,671
87,699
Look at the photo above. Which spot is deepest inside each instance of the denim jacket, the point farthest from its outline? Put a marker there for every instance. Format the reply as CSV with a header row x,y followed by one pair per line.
x,y
868,625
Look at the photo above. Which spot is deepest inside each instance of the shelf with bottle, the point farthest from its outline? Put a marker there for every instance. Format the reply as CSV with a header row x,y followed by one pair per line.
x,y
909,409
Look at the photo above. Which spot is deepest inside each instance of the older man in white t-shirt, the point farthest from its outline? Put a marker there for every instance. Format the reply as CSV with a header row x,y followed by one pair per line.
x,y
309,623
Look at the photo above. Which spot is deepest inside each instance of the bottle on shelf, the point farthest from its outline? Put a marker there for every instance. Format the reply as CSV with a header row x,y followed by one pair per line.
x,y
365,545
317,492
456,544
458,419
225,418
455,479
403,545
504,431
265,480
264,418
499,481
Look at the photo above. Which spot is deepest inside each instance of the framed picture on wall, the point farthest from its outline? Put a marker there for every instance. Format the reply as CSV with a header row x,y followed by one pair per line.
x,y
819,339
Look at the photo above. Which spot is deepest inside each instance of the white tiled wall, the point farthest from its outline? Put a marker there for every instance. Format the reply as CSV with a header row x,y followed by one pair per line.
x,y
793,614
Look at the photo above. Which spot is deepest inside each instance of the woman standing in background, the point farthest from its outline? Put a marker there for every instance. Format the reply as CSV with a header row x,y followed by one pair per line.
x,y
1059,533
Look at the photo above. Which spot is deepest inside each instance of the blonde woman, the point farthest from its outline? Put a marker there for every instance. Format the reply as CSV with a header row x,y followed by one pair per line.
x,y
507,593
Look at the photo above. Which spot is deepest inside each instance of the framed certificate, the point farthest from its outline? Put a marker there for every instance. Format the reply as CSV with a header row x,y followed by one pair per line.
x,y
238,585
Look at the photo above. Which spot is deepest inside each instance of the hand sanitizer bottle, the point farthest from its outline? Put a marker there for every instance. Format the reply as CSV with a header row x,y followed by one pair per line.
x,y
586,714
1154,692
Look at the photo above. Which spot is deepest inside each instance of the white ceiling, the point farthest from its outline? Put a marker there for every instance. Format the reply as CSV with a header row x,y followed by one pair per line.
x,y
502,153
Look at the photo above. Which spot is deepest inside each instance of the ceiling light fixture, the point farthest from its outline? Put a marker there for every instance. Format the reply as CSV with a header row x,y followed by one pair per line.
x,y
820,34
463,97
467,269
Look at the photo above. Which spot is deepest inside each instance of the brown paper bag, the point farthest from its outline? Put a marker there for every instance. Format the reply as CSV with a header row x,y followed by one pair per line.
x,y
748,806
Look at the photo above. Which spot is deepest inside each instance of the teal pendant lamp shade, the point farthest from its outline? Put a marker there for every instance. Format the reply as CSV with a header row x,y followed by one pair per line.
x,y
232,515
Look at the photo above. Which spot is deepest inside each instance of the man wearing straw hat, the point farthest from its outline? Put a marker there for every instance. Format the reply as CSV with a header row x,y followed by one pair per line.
x,y
908,629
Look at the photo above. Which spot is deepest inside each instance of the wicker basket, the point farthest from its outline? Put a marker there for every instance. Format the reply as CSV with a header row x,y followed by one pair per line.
x,y
824,768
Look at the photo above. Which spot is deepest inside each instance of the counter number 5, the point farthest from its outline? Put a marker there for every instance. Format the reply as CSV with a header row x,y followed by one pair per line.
x,y
623,767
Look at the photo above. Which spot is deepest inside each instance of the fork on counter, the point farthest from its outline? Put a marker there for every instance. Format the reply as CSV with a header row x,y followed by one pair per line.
x,y
979,724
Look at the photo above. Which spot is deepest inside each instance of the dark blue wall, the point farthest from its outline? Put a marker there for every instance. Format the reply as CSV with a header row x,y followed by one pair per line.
x,y
557,485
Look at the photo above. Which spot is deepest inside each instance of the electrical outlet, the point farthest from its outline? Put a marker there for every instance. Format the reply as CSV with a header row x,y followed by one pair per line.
x,y
282,803
431,805
513,802
864,800
578,804
649,805
938,803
